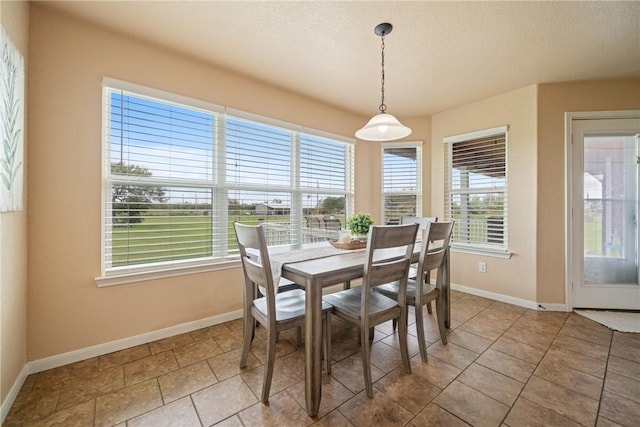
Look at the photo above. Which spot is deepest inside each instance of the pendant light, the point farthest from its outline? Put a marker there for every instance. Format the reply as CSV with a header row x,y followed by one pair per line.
x,y
383,126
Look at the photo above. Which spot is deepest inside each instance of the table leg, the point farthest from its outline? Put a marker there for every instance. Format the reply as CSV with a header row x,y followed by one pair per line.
x,y
313,347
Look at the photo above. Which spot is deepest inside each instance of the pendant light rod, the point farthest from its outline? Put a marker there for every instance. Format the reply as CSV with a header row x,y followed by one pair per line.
x,y
382,30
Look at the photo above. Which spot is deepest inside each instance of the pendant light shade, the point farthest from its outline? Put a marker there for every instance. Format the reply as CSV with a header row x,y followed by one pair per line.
x,y
383,126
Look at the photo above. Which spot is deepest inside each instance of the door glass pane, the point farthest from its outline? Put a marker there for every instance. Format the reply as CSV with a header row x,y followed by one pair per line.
x,y
610,206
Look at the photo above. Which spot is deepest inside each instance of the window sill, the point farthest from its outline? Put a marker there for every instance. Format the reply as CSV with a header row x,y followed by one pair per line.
x,y
141,276
494,253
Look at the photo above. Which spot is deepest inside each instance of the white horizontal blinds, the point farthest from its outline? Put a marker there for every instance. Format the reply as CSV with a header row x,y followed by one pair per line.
x,y
159,176
178,172
401,182
476,190
325,182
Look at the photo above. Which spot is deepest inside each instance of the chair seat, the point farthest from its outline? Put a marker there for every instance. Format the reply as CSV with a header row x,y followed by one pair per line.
x,y
289,305
391,290
348,302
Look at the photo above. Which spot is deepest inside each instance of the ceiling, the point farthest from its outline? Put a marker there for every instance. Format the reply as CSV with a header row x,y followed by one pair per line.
x,y
440,54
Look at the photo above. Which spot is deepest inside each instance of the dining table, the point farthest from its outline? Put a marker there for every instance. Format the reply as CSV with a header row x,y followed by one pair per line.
x,y
317,273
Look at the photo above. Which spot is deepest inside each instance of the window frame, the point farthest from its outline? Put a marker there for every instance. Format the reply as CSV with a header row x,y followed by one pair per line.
x,y
220,257
418,145
485,248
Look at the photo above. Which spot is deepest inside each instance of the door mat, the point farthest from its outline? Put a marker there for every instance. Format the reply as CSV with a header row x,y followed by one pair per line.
x,y
622,321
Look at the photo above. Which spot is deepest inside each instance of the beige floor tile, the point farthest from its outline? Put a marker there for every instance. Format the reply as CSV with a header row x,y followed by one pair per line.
x,y
623,386
393,340
627,339
510,366
210,331
170,343
81,415
124,356
282,410
604,422
334,394
180,413
233,421
454,354
570,378
385,357
624,367
259,349
600,336
576,360
582,346
471,406
222,400
334,419
483,328
184,381
492,383
376,411
283,377
412,392
435,371
528,414
473,342
32,405
433,415
230,341
562,400
619,409
149,367
129,402
349,373
537,325
79,390
227,364
625,352
518,349
196,351
540,339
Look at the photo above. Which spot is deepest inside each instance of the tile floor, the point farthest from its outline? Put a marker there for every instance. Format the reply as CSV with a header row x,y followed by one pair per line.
x,y
503,366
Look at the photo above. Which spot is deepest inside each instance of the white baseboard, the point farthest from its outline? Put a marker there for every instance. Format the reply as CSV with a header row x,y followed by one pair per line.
x,y
110,347
510,300
7,403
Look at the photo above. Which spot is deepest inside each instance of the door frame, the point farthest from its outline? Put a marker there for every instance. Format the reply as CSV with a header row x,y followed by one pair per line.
x,y
569,223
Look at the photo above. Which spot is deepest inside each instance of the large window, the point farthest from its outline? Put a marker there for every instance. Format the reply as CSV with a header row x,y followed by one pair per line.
x,y
401,181
178,173
476,189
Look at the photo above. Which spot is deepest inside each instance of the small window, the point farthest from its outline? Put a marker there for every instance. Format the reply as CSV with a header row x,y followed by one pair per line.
x,y
476,189
401,181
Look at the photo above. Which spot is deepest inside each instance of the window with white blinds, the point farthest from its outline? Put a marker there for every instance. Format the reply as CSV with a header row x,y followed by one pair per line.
x,y
476,189
401,181
179,172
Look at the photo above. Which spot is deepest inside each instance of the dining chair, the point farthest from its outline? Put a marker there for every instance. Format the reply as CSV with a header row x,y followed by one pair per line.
x,y
276,311
366,309
433,256
422,222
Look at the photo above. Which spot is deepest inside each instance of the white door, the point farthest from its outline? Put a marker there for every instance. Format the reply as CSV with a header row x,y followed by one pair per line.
x,y
604,220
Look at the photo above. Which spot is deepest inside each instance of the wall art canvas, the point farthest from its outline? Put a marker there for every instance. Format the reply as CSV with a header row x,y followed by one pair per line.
x,y
11,125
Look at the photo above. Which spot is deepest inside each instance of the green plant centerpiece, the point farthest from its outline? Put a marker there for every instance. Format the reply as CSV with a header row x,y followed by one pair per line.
x,y
359,224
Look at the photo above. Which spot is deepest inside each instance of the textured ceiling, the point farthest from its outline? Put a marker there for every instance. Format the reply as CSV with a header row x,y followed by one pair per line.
x,y
440,54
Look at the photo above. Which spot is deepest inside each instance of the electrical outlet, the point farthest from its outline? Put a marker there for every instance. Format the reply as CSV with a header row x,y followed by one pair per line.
x,y
482,266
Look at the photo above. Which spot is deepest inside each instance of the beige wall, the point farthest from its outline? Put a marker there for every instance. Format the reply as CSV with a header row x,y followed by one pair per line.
x,y
13,238
553,101
68,61
515,277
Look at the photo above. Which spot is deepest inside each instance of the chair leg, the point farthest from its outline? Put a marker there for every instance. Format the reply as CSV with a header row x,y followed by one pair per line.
x,y
268,369
366,364
440,314
420,330
346,285
327,343
298,336
247,338
404,347
429,309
